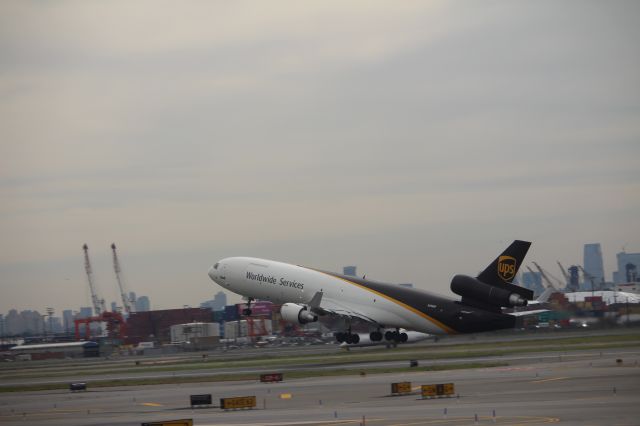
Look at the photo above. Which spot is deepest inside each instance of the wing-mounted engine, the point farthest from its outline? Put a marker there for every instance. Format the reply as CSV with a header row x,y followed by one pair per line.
x,y
476,293
292,312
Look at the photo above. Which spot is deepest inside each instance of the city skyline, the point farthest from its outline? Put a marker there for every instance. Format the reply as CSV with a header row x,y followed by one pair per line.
x,y
220,294
414,140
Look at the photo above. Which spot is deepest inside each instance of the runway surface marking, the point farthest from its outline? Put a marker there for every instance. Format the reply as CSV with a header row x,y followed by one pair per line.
x,y
549,380
295,423
152,404
512,421
507,421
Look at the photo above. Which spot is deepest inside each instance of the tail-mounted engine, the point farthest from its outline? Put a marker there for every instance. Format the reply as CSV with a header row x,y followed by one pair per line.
x,y
292,312
477,293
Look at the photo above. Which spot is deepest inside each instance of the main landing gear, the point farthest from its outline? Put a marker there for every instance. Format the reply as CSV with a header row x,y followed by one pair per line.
x,y
396,336
347,337
247,311
375,336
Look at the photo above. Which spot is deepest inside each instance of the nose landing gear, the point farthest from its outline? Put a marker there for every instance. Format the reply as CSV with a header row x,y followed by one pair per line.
x,y
247,311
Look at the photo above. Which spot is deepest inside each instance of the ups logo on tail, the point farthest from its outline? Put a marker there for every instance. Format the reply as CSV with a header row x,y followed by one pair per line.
x,y
506,268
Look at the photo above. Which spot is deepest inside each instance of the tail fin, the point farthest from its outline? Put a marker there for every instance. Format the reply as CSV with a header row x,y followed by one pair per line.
x,y
492,289
505,267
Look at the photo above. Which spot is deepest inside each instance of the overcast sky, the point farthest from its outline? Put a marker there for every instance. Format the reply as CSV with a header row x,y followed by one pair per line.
x,y
412,139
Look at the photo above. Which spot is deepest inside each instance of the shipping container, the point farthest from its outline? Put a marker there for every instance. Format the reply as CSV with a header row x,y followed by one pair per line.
x,y
258,309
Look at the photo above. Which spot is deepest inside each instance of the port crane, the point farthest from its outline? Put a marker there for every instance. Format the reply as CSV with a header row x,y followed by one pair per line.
x,y
116,327
126,302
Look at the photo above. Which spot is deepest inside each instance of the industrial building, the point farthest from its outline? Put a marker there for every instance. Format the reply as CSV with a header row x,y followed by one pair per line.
x,y
156,325
250,327
184,333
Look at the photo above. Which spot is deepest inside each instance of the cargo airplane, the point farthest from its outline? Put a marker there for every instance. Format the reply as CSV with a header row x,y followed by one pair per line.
x,y
307,293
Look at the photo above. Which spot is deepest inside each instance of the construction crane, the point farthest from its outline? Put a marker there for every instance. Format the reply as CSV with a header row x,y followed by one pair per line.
x,y
567,279
128,306
533,273
545,276
98,304
591,278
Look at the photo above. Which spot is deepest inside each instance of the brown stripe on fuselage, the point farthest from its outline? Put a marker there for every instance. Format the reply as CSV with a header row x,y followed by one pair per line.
x,y
384,290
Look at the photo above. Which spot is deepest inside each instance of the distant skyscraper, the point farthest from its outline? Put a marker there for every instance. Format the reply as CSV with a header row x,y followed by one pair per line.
x,y
218,302
55,325
533,281
627,264
29,322
114,307
85,312
593,265
143,304
67,321
349,270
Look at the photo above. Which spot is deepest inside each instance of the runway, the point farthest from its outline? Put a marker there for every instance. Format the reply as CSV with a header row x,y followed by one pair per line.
x,y
516,359
565,390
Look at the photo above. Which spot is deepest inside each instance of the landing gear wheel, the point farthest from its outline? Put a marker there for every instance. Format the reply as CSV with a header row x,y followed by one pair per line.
x,y
389,335
349,338
403,338
375,336
247,311
352,339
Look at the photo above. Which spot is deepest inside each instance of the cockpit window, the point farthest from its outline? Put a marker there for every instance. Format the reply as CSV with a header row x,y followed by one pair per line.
x,y
215,266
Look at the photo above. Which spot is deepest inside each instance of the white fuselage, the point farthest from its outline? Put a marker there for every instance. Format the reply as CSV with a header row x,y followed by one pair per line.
x,y
285,283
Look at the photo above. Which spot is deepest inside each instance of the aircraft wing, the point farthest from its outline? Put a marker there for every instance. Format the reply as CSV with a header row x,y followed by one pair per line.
x,y
324,306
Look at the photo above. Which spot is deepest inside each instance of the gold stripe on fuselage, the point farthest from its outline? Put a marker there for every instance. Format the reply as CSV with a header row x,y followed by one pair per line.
x,y
444,327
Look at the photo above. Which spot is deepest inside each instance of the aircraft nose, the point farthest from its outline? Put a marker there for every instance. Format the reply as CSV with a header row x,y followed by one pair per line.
x,y
213,272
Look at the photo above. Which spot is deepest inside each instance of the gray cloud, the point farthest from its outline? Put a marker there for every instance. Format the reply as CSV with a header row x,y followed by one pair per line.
x,y
412,139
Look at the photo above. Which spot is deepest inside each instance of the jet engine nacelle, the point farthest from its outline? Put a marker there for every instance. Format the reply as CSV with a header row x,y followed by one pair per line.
x,y
474,289
300,314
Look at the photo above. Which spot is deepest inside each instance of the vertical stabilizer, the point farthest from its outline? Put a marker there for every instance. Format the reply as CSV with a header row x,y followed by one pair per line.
x,y
504,268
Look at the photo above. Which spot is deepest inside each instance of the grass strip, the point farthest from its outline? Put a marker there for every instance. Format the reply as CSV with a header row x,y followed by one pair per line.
x,y
298,374
260,359
424,353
